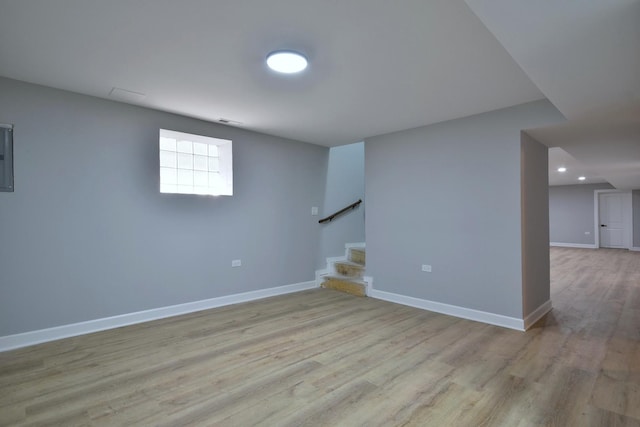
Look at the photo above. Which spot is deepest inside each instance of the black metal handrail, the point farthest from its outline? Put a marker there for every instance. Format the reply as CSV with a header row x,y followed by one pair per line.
x,y
341,211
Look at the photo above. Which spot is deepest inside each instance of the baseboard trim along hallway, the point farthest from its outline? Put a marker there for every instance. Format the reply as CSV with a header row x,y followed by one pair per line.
x,y
456,311
573,245
537,314
25,339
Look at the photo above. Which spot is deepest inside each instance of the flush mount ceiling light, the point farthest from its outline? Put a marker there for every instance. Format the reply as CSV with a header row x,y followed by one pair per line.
x,y
286,61
562,169
582,178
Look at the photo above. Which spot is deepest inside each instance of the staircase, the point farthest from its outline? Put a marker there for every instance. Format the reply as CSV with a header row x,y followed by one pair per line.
x,y
347,274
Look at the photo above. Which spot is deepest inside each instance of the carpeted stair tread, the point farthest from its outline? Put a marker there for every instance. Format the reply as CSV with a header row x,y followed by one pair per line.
x,y
348,269
358,255
347,285
344,278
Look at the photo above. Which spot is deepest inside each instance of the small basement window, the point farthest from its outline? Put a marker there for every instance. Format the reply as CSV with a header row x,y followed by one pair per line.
x,y
195,164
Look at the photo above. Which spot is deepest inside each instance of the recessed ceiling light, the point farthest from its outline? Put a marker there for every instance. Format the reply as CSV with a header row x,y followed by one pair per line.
x,y
286,61
582,178
562,169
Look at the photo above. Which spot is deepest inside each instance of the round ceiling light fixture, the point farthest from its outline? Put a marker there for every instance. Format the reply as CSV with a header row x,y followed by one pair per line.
x,y
562,169
287,61
582,178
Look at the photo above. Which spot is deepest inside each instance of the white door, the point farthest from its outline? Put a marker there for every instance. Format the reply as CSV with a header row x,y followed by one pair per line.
x,y
612,224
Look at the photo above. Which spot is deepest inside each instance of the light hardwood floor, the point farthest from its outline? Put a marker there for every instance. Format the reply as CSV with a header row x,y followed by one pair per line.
x,y
325,358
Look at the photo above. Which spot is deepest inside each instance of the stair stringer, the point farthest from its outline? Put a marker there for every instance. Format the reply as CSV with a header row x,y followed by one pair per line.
x,y
320,274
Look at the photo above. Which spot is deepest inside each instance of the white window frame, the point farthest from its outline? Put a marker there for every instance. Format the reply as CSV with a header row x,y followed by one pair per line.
x,y
195,164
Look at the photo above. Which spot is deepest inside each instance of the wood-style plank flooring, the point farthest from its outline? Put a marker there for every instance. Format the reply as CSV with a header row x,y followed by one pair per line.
x,y
322,358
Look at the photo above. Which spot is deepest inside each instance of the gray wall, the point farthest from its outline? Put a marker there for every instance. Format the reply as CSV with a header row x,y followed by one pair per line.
x,y
571,213
536,283
87,235
449,195
345,185
6,159
636,218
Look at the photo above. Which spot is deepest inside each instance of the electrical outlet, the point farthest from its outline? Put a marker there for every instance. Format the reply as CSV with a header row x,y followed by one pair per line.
x,y
314,210
426,268
236,263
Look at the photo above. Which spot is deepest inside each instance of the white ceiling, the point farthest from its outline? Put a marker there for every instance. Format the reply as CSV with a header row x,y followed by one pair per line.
x,y
605,148
560,158
585,57
375,66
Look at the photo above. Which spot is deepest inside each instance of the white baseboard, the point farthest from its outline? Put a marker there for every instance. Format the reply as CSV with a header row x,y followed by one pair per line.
x,y
320,276
11,342
332,259
635,248
452,310
573,245
537,314
355,245
368,280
